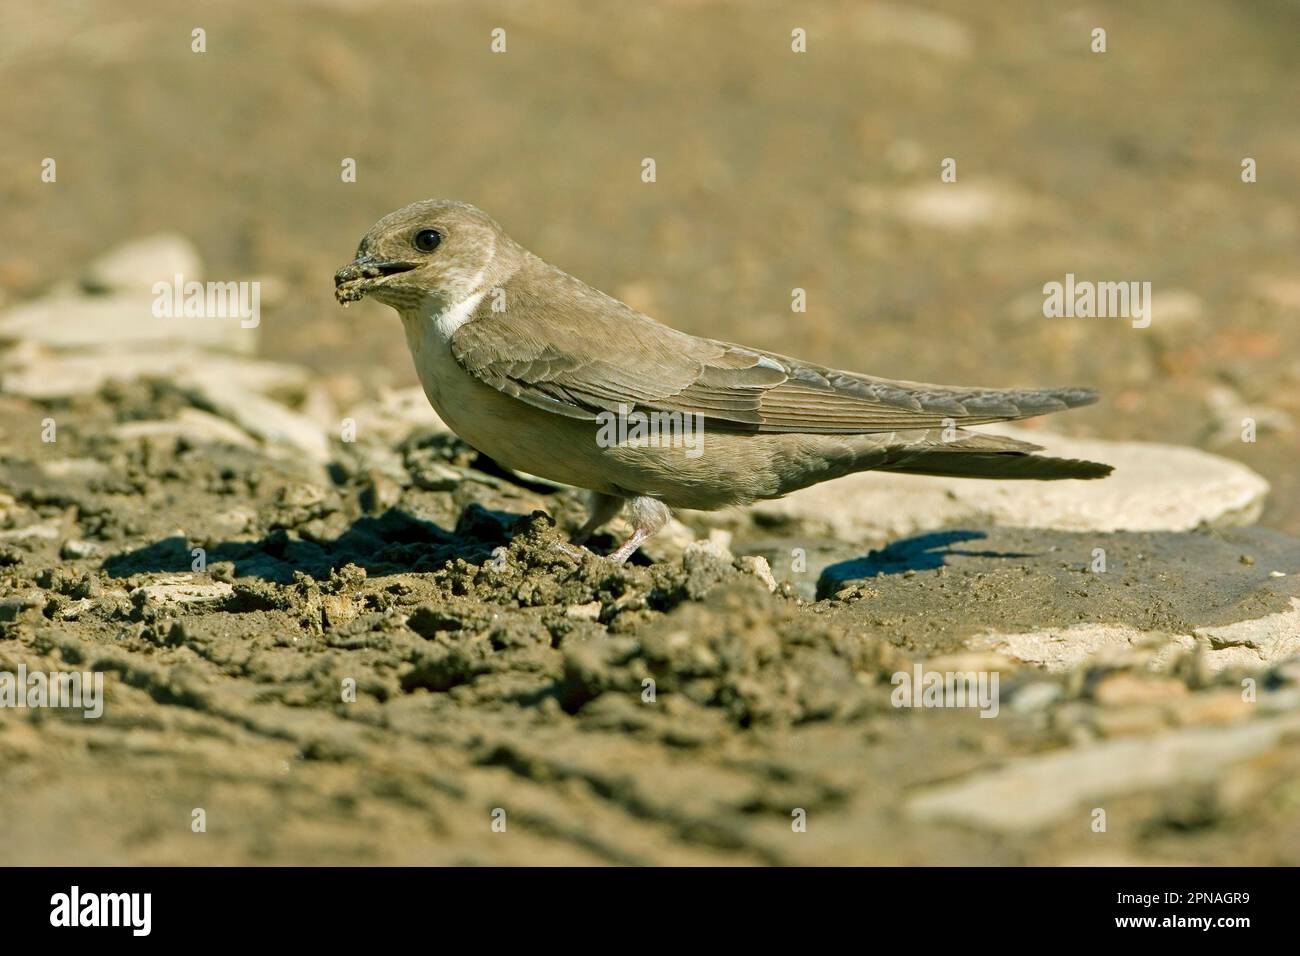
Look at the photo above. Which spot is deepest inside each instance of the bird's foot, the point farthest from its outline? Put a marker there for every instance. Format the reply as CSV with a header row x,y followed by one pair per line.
x,y
575,551
628,547
619,556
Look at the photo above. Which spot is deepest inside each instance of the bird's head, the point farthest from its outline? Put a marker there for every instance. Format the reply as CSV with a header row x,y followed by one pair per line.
x,y
436,249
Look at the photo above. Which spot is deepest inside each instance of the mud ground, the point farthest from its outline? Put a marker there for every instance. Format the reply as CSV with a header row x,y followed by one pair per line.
x,y
668,712
385,655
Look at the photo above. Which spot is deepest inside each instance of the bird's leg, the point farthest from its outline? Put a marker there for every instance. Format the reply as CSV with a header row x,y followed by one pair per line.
x,y
601,508
648,515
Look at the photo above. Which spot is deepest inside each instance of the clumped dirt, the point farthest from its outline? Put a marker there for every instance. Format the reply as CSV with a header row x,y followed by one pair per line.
x,y
376,675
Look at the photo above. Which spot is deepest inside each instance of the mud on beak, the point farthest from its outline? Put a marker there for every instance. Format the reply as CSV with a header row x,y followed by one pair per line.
x,y
358,277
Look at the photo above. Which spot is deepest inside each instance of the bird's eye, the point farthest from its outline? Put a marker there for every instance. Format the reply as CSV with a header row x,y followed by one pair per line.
x,y
426,240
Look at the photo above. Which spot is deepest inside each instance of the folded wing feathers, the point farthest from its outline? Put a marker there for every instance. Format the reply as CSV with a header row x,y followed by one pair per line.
x,y
732,387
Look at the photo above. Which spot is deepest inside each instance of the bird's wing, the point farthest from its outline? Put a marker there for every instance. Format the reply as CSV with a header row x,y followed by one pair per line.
x,y
595,354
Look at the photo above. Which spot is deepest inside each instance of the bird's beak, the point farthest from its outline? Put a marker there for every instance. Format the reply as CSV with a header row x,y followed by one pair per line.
x,y
368,267
354,280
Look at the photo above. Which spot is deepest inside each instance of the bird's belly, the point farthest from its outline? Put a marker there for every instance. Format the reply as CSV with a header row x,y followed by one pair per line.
x,y
511,432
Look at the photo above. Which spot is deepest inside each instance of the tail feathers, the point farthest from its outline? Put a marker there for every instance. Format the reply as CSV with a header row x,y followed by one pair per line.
x,y
996,464
985,455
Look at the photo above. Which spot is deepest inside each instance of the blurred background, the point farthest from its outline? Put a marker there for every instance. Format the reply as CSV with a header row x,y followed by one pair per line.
x,y
775,170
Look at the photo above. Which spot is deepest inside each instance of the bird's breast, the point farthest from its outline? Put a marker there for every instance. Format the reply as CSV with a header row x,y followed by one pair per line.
x,y
447,385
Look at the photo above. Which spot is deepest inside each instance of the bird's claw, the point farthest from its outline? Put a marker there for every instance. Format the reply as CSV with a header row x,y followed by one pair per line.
x,y
575,551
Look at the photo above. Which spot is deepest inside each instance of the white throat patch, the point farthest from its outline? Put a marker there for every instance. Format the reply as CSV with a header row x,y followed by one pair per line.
x,y
449,320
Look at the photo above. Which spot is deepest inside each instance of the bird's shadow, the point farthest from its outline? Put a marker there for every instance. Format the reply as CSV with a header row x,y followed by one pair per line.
x,y
394,542
922,552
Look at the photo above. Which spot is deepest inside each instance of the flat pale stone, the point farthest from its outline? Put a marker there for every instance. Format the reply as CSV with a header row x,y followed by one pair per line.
x,y
977,661
1273,637
75,469
75,549
185,590
263,418
1060,649
48,530
1153,488
392,417
1035,792
196,427
137,265
1212,707
1125,690
1251,644
74,322
41,375
1035,697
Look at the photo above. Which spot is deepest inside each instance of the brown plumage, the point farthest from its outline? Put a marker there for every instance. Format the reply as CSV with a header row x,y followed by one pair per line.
x,y
526,362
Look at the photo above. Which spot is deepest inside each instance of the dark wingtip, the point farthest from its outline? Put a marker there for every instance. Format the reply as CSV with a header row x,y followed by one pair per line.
x,y
1047,468
1092,469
